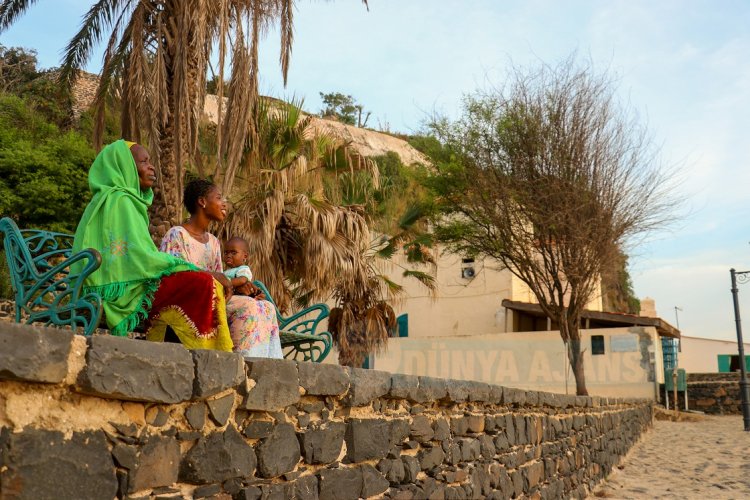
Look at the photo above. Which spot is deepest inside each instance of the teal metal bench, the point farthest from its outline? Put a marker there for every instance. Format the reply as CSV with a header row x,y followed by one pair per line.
x,y
45,291
299,331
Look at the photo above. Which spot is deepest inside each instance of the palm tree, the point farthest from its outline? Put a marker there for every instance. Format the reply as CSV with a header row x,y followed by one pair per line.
x,y
156,60
300,199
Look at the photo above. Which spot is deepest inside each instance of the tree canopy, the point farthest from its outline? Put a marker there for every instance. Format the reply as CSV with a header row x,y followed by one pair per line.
x,y
550,176
344,108
43,164
43,171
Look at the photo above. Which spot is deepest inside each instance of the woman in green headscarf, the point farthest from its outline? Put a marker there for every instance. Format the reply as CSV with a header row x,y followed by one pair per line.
x,y
136,281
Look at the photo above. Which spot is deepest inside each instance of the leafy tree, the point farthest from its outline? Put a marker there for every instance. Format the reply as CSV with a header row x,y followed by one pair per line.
x,y
17,68
20,76
43,171
549,176
617,287
344,108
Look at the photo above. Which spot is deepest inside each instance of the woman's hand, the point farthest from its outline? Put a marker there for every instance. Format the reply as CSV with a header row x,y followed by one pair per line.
x,y
246,288
253,291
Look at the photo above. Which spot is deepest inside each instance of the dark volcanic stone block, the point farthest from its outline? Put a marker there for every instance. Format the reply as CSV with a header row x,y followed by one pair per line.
x,y
32,353
479,391
487,446
367,439
129,369
532,398
549,399
125,455
216,371
404,386
249,493
43,464
430,457
442,429
220,409
514,396
458,390
496,394
373,482
157,464
323,380
276,384
399,430
196,415
431,389
218,457
340,484
533,474
306,488
393,469
459,426
257,429
206,491
322,444
366,386
421,429
470,449
411,468
279,452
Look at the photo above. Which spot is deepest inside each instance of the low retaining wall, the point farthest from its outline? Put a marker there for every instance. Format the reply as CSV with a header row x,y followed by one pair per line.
x,y
109,417
715,393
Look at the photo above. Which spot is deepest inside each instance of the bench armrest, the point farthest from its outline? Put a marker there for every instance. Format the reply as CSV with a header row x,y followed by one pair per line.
x,y
56,296
305,321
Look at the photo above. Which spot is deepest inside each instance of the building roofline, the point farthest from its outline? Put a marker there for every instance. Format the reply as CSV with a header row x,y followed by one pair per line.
x,y
663,328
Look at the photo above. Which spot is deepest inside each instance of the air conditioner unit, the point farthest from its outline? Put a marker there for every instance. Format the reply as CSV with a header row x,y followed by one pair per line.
x,y
468,273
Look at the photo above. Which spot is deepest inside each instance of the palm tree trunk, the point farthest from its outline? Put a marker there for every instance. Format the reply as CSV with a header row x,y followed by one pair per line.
x,y
166,209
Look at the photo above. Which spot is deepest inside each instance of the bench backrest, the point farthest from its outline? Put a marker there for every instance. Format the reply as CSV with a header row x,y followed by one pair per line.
x,y
44,289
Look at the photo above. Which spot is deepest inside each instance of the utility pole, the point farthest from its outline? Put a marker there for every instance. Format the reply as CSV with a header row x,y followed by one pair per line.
x,y
741,277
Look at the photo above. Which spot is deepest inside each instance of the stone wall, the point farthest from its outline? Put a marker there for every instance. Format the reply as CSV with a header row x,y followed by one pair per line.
x,y
83,92
714,393
108,417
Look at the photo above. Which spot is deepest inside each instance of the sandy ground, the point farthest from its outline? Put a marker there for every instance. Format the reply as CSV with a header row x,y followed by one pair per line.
x,y
707,459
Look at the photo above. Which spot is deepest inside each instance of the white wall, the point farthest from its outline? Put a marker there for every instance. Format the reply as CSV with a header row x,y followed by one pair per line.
x,y
700,355
462,306
630,367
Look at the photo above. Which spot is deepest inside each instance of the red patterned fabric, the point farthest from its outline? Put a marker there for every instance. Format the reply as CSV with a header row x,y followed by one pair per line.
x,y
191,293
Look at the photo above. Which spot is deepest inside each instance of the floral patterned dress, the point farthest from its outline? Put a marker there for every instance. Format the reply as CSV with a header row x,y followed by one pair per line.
x,y
252,323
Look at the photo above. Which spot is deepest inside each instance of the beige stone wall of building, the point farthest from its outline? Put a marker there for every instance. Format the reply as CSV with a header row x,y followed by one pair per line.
x,y
700,355
462,306
630,367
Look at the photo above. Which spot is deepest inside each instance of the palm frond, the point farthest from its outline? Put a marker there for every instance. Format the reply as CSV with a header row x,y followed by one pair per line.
x,y
287,36
411,216
426,279
98,19
10,10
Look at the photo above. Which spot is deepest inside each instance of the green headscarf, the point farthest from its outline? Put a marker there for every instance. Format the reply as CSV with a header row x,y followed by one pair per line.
x,y
115,223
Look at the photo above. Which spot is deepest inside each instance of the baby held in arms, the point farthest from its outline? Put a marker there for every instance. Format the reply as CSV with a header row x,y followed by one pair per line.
x,y
236,253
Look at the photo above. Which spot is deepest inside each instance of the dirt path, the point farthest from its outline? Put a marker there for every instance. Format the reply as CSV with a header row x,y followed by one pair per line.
x,y
708,459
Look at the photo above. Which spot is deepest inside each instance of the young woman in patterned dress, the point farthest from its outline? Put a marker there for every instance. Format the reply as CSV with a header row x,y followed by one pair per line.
x,y
252,323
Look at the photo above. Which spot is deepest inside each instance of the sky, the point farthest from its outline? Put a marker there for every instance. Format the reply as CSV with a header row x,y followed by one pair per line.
x,y
682,65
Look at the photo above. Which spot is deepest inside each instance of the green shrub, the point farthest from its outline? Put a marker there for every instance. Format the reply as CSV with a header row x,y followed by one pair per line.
x,y
43,171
